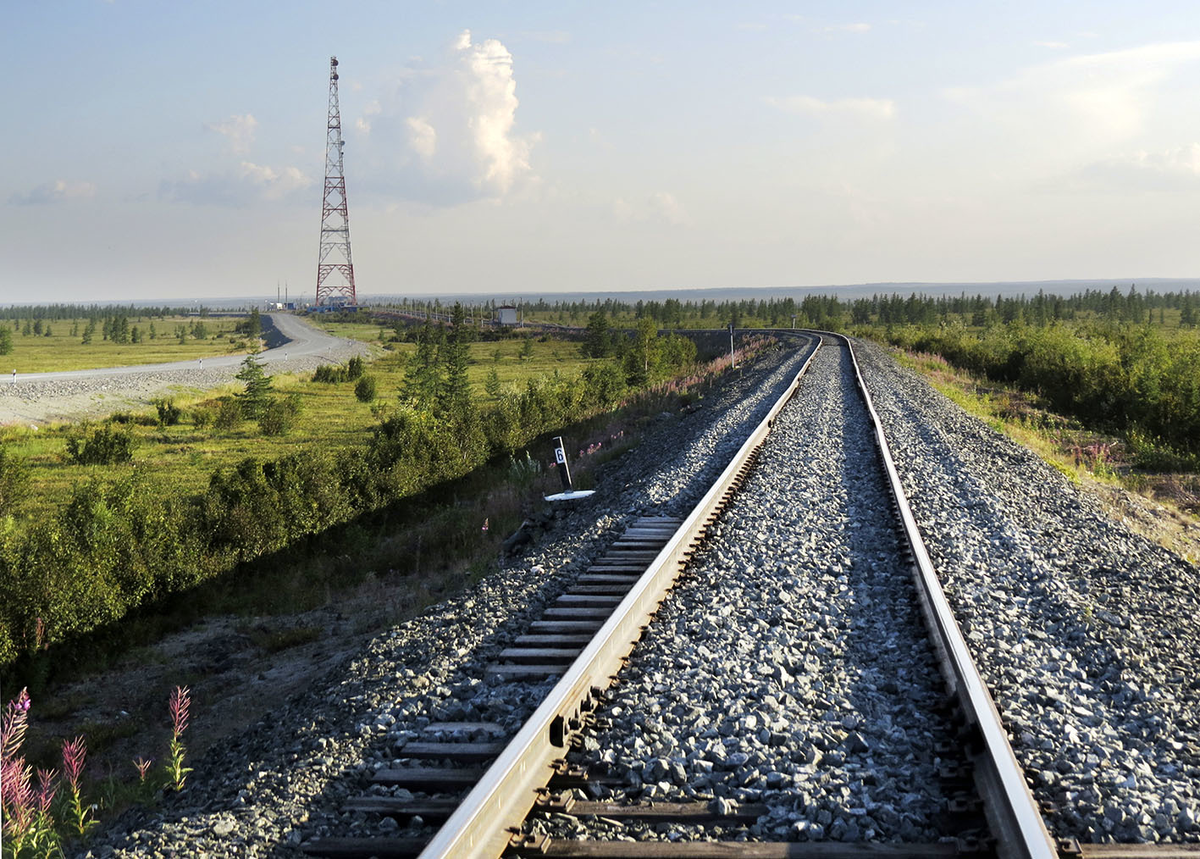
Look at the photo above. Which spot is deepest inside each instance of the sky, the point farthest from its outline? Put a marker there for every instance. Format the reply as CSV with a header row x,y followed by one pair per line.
x,y
163,150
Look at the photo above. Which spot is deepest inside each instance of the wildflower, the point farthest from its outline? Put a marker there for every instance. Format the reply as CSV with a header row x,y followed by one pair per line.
x,y
485,525
73,754
143,767
46,789
179,704
12,728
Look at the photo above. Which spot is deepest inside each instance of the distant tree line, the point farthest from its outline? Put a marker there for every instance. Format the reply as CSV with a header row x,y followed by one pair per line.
x,y
829,311
20,313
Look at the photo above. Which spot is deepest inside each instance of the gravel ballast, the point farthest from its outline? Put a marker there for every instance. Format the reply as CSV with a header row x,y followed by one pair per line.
x,y
285,779
810,686
1088,634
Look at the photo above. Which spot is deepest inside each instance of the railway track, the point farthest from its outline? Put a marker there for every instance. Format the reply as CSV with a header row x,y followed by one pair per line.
x,y
550,787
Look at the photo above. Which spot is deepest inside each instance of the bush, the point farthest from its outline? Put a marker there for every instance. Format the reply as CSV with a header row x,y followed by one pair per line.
x,y
365,389
330,374
14,475
279,415
107,446
169,414
229,415
354,368
202,416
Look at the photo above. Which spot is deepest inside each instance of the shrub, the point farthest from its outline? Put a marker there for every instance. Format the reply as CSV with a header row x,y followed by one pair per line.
x,y
202,416
169,414
14,475
354,368
229,414
107,446
279,415
365,389
330,374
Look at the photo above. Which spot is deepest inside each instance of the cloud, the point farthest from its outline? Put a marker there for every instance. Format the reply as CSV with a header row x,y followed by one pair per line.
x,y
249,183
1052,45
422,137
807,105
57,191
1089,101
660,206
1169,170
446,132
274,184
238,130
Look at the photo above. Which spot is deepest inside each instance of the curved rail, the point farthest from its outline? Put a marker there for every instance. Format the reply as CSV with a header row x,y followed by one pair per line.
x,y
497,805
1011,810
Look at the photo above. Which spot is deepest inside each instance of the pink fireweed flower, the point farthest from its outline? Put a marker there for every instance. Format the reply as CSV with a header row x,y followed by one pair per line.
x,y
485,525
13,725
73,754
18,799
46,789
143,766
180,702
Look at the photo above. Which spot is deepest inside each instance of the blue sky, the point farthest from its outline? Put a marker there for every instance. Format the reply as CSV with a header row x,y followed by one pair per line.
x,y
164,150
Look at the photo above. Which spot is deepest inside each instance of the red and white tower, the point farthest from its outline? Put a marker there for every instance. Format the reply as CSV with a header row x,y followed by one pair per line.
x,y
335,268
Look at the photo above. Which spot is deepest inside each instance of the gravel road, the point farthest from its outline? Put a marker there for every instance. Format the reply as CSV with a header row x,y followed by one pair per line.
x,y
35,398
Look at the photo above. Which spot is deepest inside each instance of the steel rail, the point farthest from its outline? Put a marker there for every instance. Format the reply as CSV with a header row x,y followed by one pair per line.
x,y
1012,812
485,821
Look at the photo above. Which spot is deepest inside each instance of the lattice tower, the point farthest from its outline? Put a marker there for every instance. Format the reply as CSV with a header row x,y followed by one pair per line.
x,y
335,267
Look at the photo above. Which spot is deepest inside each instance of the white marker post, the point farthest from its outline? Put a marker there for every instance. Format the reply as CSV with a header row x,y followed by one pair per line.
x,y
732,357
569,493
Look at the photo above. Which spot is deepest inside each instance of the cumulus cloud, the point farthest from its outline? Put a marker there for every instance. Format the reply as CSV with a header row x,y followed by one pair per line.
x,y
863,108
660,206
1052,45
238,131
422,137
446,132
249,183
58,191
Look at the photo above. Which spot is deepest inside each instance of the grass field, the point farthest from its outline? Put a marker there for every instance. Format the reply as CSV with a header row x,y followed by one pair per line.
x,y
179,459
64,350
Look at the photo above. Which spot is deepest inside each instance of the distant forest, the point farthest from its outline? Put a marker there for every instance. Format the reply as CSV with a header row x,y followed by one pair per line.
x,y
831,312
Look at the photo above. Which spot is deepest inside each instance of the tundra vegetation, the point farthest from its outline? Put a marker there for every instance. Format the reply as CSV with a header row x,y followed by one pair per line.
x,y
142,506
69,337
1121,361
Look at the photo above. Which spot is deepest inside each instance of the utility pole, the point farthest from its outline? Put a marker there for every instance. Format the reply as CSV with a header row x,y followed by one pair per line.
x,y
335,269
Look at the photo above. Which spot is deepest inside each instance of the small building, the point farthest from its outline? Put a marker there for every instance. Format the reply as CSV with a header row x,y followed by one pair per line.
x,y
506,315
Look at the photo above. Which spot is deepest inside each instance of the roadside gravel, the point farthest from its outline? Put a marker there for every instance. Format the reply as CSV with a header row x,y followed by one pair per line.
x,y
75,395
283,781
1088,633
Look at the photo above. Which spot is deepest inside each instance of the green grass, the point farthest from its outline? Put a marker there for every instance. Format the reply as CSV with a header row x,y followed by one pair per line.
x,y
61,351
331,417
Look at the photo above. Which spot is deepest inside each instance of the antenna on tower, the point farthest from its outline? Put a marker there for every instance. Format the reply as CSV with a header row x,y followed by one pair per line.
x,y
335,268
